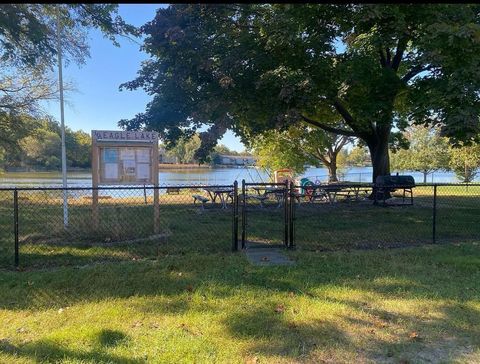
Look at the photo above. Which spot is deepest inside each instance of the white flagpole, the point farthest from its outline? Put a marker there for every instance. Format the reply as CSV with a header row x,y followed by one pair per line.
x,y
62,123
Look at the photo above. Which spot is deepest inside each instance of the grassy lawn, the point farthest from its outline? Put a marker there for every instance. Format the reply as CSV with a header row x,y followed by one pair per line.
x,y
412,305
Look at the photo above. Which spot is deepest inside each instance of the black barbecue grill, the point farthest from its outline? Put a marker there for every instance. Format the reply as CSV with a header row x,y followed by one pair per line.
x,y
385,185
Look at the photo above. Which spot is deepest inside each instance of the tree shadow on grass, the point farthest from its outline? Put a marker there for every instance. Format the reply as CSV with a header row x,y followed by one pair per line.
x,y
275,336
46,351
167,287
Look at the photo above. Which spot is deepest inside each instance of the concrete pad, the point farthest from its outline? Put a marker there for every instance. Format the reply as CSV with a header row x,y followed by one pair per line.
x,y
267,257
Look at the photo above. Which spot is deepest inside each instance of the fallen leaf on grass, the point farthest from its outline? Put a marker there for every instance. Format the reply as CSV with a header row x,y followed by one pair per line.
x,y
137,324
280,309
253,360
414,335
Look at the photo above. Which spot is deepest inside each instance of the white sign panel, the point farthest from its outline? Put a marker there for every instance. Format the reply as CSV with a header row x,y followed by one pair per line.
x,y
143,155
143,171
111,170
127,154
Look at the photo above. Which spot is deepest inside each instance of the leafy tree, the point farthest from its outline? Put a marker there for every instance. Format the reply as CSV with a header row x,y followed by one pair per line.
x,y
299,146
465,162
358,156
28,32
42,148
28,52
79,148
428,152
258,67
184,150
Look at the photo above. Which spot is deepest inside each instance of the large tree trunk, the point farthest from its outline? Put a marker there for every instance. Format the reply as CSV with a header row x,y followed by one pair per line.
x,y
332,171
425,177
378,147
380,158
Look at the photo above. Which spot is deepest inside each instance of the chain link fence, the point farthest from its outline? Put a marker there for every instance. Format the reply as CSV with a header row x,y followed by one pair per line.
x,y
345,217
127,223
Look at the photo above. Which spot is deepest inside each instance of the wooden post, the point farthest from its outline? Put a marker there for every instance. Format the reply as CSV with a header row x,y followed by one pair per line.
x,y
156,207
95,178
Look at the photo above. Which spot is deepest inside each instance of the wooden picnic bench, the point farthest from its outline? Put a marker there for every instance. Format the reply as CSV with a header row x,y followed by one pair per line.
x,y
173,191
200,198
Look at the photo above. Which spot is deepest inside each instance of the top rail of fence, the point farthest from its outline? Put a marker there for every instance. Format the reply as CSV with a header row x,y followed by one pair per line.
x,y
194,186
264,184
139,187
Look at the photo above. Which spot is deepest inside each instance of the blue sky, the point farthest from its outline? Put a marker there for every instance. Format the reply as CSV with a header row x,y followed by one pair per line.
x,y
97,102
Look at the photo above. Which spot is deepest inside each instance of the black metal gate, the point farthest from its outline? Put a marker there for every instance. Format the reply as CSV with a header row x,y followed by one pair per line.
x,y
266,215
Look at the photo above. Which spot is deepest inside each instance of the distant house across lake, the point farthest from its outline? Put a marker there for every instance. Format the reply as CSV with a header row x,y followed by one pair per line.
x,y
163,157
235,160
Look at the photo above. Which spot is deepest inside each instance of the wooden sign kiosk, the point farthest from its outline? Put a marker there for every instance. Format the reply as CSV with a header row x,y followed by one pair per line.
x,y
126,158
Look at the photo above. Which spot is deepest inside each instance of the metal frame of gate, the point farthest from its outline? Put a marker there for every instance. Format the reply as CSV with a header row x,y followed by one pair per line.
x,y
288,214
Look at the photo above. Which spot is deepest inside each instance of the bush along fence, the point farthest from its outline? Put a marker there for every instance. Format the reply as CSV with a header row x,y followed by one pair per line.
x,y
43,227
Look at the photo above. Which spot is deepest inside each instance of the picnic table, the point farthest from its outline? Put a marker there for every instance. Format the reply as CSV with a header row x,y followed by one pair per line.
x,y
330,192
277,191
223,193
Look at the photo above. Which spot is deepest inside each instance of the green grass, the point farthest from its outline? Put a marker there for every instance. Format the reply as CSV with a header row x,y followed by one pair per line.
x,y
403,305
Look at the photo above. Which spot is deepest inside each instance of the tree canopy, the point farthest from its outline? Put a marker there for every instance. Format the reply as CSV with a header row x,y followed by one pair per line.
x,y
428,152
465,162
28,52
258,67
299,146
28,32
40,146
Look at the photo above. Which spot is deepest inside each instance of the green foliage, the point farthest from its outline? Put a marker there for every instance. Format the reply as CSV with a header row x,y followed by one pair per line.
x,y
275,150
40,146
259,67
28,52
28,31
185,149
427,152
297,147
358,157
43,147
465,162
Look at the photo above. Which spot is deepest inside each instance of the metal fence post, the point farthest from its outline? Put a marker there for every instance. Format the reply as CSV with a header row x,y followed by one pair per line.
x,y
285,214
434,217
244,216
291,244
15,225
235,217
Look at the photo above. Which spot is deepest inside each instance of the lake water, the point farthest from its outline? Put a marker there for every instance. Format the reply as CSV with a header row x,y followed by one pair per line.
x,y
196,176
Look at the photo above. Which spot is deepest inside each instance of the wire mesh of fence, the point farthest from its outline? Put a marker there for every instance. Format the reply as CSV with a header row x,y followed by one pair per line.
x,y
113,223
134,223
348,216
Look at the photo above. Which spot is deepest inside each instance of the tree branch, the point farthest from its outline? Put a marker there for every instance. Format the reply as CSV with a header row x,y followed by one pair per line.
x,y
389,57
402,45
327,127
383,61
415,71
343,111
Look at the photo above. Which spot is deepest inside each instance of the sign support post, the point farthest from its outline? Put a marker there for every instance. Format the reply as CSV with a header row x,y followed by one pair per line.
x,y
156,207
